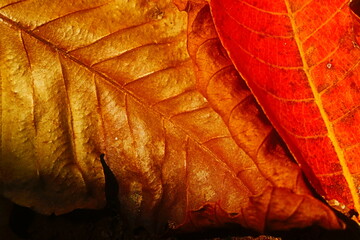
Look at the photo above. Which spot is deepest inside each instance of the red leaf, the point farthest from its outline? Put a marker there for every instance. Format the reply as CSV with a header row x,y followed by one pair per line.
x,y
301,60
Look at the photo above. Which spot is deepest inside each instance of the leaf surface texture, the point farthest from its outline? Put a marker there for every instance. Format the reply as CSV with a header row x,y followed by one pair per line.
x,y
114,77
301,61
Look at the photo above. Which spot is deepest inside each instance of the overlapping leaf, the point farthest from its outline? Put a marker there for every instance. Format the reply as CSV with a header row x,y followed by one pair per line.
x,y
229,96
114,77
300,58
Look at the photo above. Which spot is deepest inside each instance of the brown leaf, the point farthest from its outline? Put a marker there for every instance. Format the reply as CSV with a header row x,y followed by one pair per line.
x,y
114,77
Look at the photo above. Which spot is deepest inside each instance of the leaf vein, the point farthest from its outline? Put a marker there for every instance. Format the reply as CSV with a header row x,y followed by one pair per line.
x,y
330,129
68,14
70,125
13,3
253,30
324,23
261,10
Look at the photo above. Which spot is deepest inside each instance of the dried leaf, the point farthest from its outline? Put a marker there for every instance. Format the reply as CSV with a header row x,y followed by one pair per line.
x,y
60,110
300,59
114,77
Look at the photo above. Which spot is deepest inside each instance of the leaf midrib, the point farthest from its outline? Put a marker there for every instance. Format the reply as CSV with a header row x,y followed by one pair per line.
x,y
118,87
329,127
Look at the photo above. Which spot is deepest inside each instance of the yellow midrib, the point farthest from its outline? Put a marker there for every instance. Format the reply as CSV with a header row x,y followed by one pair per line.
x,y
325,117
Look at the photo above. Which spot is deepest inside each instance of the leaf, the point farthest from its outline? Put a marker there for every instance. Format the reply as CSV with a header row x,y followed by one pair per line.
x,y
300,59
114,77
227,93
219,82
